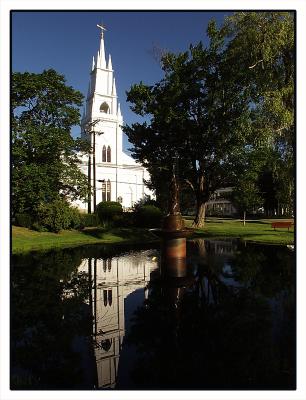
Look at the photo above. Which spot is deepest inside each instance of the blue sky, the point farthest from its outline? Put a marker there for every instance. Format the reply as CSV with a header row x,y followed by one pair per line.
x,y
67,41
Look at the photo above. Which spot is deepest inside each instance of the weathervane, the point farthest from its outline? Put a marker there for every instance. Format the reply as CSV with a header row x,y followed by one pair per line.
x,y
102,29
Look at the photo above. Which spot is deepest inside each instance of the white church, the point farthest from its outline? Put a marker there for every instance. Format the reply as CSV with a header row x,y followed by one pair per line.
x,y
114,176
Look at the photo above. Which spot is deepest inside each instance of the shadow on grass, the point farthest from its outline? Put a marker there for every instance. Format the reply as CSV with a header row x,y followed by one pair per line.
x,y
126,234
269,236
256,221
213,221
94,232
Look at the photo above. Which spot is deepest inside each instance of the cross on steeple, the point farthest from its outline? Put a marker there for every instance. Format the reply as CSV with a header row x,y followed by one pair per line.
x,y
102,29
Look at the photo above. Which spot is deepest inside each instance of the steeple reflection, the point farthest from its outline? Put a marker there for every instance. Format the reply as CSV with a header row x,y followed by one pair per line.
x,y
112,280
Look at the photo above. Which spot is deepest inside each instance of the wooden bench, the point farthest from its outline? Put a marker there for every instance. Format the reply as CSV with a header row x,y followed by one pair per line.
x,y
281,224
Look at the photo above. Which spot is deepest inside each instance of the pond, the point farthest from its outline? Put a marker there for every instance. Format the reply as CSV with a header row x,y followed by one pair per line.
x,y
102,317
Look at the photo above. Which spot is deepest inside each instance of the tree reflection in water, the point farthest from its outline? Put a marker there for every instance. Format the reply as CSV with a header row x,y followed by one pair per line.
x,y
48,319
228,324
220,334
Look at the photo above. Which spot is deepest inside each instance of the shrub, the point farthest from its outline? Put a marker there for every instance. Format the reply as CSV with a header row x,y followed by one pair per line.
x,y
24,220
148,216
128,219
89,220
39,228
75,218
108,211
124,220
55,216
145,201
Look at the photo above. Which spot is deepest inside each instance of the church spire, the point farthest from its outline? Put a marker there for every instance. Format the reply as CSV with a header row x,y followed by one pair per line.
x,y
114,91
119,111
109,65
101,62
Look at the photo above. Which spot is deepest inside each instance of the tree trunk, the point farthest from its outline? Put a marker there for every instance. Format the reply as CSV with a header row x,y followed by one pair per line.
x,y
244,218
199,220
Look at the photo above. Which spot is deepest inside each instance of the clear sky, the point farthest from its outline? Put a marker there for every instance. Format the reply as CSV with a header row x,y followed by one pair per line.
x,y
67,41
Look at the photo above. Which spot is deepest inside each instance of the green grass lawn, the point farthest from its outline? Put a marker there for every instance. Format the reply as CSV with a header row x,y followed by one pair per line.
x,y
25,240
254,230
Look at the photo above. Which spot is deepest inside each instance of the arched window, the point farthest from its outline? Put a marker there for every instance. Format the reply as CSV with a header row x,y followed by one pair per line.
x,y
104,265
104,191
110,297
105,297
104,154
108,191
109,158
104,108
106,344
109,264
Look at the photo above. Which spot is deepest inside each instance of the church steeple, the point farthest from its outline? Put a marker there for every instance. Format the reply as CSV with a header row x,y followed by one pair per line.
x,y
102,87
102,98
107,162
101,62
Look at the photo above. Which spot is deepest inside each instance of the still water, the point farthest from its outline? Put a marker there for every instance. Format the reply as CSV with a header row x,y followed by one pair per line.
x,y
103,318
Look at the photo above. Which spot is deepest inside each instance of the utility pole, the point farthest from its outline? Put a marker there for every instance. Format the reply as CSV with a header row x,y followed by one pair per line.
x,y
89,183
89,129
94,173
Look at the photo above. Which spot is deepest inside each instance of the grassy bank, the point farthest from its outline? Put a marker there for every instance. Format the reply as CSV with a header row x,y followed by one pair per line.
x,y
25,240
255,230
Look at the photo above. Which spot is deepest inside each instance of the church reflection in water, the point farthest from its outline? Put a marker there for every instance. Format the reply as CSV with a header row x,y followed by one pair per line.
x,y
112,280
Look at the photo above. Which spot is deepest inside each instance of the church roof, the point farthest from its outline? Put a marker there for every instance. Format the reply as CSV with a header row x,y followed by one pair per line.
x,y
128,160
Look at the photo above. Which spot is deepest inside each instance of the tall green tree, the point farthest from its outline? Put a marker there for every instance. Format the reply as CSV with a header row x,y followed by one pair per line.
x,y
215,101
276,186
246,196
44,154
261,54
196,113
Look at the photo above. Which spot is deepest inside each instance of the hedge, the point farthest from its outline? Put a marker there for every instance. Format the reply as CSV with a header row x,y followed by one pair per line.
x,y
24,220
148,217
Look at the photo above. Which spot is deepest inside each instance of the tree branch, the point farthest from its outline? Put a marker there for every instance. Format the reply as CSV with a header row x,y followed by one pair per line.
x,y
257,62
189,183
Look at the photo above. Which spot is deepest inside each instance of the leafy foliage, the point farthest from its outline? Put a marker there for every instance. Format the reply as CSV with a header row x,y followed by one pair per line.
x,y
24,220
108,211
148,216
44,154
261,54
261,48
145,201
246,196
57,215
89,220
